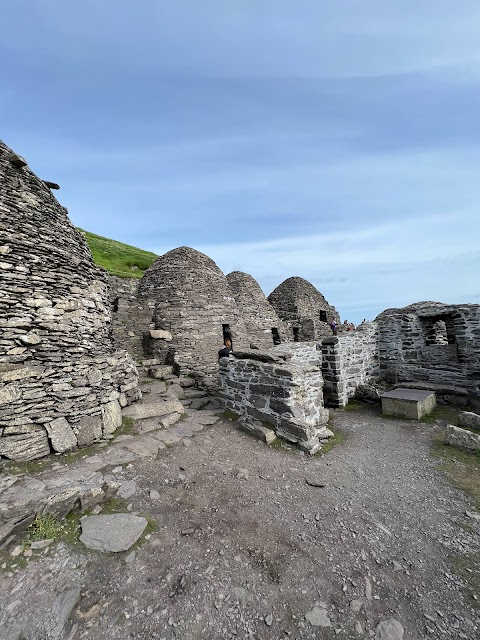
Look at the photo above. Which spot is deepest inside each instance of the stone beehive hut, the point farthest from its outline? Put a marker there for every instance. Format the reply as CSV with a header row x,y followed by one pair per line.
x,y
304,309
264,327
193,310
61,384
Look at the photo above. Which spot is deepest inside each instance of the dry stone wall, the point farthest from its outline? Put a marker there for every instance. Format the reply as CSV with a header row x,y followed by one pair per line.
x,y
61,383
132,317
263,325
194,304
433,342
349,360
279,392
304,309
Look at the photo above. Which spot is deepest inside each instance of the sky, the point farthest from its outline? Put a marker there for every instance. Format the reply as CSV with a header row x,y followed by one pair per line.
x,y
337,140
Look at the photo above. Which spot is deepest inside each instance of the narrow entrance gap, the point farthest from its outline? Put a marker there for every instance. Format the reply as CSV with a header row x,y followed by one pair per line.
x,y
323,316
227,333
296,334
276,336
115,305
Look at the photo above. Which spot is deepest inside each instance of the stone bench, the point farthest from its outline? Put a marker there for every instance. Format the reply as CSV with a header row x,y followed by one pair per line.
x,y
408,403
446,394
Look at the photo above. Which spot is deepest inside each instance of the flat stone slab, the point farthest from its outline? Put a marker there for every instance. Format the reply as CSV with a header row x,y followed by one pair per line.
x,y
412,404
409,395
112,533
146,447
152,409
118,455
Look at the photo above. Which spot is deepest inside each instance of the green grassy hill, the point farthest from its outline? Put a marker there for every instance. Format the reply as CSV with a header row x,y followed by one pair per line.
x,y
117,258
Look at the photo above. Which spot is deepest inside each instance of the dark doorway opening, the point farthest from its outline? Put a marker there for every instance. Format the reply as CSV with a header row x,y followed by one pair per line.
x,y
115,305
296,334
227,333
276,336
323,316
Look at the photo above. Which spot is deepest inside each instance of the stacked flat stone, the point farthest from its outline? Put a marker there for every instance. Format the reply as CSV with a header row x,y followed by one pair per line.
x,y
61,383
263,325
193,302
277,391
349,360
299,304
432,342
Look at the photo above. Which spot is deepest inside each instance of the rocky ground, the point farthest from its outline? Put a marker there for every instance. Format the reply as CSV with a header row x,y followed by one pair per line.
x,y
251,541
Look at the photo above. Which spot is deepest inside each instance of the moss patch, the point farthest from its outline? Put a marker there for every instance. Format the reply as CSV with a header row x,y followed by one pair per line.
x,y
230,415
462,469
338,438
447,414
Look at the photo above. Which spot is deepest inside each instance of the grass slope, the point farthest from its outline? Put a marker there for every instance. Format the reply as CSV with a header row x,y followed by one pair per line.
x,y
117,258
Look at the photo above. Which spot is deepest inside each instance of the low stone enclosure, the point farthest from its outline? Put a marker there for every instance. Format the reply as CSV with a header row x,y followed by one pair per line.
x,y
62,384
278,393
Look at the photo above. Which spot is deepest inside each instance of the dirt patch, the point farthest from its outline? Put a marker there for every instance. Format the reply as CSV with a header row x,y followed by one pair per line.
x,y
240,555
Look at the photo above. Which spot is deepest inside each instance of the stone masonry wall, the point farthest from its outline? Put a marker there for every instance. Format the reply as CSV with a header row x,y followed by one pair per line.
x,y
258,314
349,360
431,342
132,317
61,383
285,396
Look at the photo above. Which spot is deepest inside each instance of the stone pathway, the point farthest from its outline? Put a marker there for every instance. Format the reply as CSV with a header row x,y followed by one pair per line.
x,y
263,543
160,420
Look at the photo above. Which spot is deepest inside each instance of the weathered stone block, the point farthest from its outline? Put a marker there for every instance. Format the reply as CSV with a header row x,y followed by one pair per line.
x,y
89,429
469,420
408,403
160,334
61,435
111,417
462,438
27,446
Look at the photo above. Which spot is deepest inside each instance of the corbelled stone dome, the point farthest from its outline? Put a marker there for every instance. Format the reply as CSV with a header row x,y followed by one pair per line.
x,y
59,378
263,324
193,301
303,308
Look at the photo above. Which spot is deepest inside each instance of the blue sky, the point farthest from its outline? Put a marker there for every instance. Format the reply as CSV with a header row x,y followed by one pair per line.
x,y
334,140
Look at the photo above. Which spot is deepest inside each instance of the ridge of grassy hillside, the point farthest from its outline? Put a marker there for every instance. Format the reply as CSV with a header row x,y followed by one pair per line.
x,y
118,258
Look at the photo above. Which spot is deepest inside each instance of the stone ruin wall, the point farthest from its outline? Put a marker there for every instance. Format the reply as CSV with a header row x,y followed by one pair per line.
x,y
61,383
281,392
348,361
193,302
132,317
258,314
299,304
431,342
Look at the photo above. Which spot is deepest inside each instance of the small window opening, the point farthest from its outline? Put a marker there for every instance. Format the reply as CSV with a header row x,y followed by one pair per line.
x,y
296,334
276,336
323,316
115,305
438,330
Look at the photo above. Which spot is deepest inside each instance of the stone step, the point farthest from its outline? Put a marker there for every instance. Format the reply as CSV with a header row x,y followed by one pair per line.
x,y
159,407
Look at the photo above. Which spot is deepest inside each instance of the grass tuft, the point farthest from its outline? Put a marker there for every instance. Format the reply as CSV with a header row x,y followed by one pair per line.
x,y
119,259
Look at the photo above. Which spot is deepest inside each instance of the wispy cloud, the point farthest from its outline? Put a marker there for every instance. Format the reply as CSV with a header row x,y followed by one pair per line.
x,y
334,140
